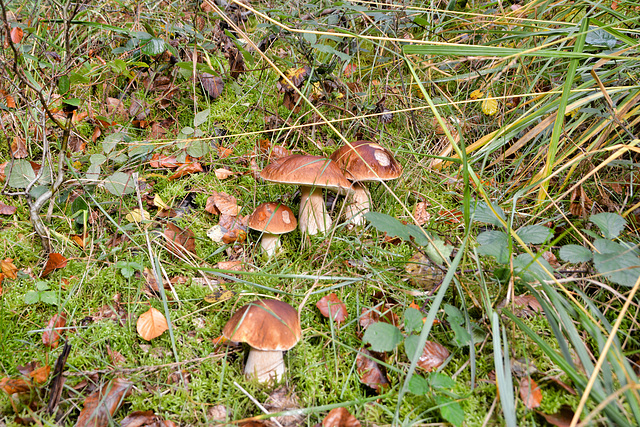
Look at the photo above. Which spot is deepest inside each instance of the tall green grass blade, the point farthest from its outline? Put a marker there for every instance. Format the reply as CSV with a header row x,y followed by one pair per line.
x,y
503,372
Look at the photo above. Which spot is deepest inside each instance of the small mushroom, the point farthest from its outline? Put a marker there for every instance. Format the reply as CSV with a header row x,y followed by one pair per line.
x,y
312,174
272,219
269,327
364,161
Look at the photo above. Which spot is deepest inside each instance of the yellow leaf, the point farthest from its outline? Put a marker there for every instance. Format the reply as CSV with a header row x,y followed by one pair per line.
x,y
219,296
159,203
489,106
476,94
151,324
136,216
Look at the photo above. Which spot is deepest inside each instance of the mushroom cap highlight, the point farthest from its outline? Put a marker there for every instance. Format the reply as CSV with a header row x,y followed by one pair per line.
x,y
267,325
272,218
383,166
308,171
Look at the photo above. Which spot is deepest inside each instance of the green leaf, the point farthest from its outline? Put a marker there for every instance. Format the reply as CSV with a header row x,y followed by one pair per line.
x,y
74,102
49,297
310,38
382,336
575,253
440,380
454,315
119,184
153,47
450,410
437,247
495,244
388,224
418,385
201,117
616,262
412,320
32,297
611,224
64,84
128,269
483,213
198,149
600,38
524,265
21,174
534,234
411,345
42,285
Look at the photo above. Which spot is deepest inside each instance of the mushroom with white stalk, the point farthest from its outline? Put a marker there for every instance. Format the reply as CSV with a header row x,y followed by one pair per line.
x,y
269,327
312,174
272,219
364,161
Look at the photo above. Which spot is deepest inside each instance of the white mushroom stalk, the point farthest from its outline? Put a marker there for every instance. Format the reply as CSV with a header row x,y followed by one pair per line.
x,y
358,205
313,217
270,243
265,365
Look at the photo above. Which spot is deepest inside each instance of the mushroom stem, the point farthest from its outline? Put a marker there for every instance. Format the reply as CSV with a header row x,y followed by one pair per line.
x,y
313,217
270,243
359,205
264,365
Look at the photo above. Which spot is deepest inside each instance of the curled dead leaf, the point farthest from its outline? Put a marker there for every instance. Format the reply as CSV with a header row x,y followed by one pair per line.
x,y
178,240
340,417
530,393
19,147
211,84
433,355
54,262
8,268
222,203
16,35
151,324
101,405
333,308
187,169
222,173
51,334
7,210
371,374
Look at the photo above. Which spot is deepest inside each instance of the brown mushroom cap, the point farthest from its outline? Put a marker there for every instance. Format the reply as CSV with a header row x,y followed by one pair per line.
x,y
265,325
311,171
383,166
272,218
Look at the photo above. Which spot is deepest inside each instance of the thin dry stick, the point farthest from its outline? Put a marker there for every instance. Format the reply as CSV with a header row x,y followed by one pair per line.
x,y
603,355
254,400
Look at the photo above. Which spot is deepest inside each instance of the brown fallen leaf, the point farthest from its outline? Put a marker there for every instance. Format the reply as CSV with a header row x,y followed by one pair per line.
x,y
14,385
54,262
222,173
139,419
562,418
371,374
580,204
19,147
186,169
8,268
282,399
7,210
151,324
179,240
162,161
116,107
51,334
420,213
331,307
115,357
222,203
33,370
102,404
530,393
340,417
433,355
230,265
16,35
211,84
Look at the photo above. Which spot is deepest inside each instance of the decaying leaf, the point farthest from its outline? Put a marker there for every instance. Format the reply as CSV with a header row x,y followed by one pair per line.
x,y
151,324
433,355
212,85
39,374
7,210
115,357
530,393
282,399
420,213
230,265
340,417
116,107
297,76
489,105
19,147
371,374
331,307
222,203
101,405
580,204
54,262
51,334
16,35
179,239
222,173
423,273
8,268
186,169
562,418
14,385
162,161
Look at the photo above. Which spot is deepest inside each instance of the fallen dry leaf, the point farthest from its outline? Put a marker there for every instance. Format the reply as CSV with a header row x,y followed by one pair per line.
x,y
340,417
8,268
51,335
370,372
14,385
139,419
179,239
55,261
579,203
19,147
420,213
530,393
222,203
212,85
453,216
16,35
162,161
433,355
331,307
562,418
222,173
7,210
115,357
230,265
151,324
101,405
186,169
282,399
116,107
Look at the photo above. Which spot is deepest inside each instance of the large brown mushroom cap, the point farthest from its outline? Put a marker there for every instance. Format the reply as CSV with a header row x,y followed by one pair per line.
x,y
272,218
265,325
382,165
309,171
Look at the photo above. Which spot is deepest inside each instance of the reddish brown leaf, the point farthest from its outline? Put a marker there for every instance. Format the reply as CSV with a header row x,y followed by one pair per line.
x,y
212,85
97,131
368,317
562,418
8,268
230,265
162,161
79,239
179,239
14,385
526,305
51,334
530,393
551,259
41,374
19,147
331,307
7,210
115,357
186,169
453,216
433,355
340,417
11,103
16,35
579,203
224,152
296,76
151,324
101,405
236,62
420,213
55,261
222,203
139,419
370,372
116,107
